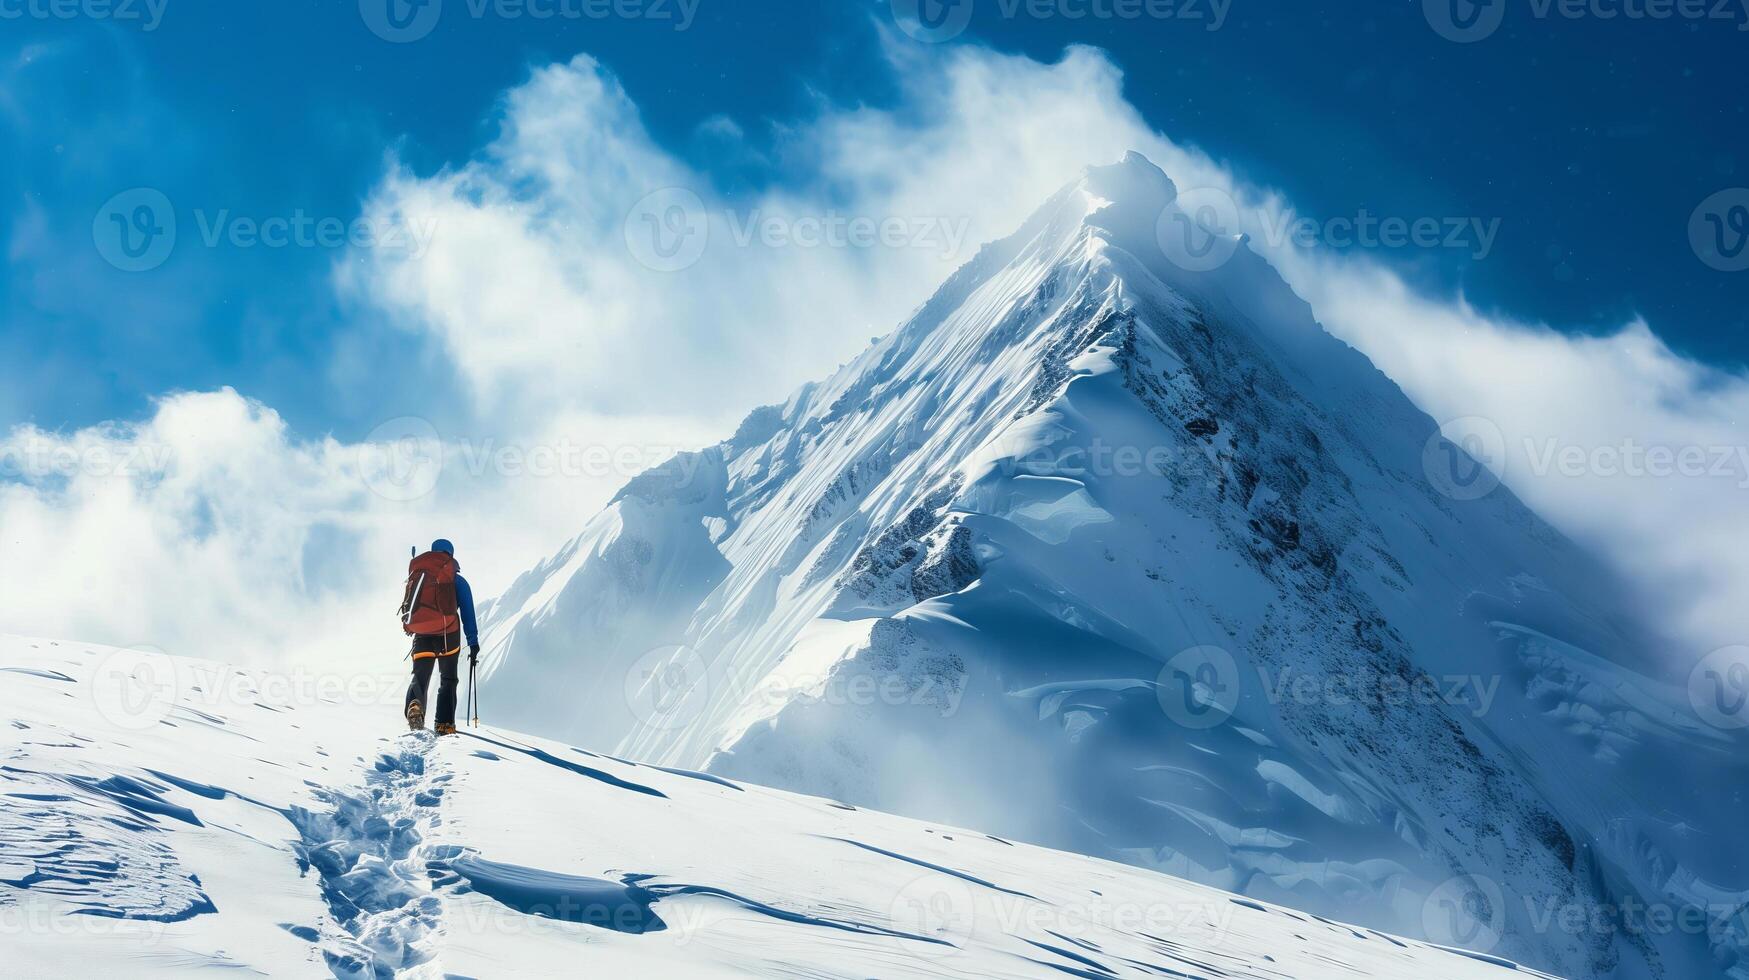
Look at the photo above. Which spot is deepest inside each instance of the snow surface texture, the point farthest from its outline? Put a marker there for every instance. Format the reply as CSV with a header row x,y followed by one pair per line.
x,y
1135,561
165,817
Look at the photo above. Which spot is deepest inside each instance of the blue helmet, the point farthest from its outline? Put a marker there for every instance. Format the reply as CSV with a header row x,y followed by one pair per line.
x,y
443,545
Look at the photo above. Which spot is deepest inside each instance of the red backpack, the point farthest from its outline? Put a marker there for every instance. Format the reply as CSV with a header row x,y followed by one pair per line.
x,y
428,607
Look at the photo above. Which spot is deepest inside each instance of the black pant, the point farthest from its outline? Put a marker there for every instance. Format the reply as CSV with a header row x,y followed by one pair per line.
x,y
446,685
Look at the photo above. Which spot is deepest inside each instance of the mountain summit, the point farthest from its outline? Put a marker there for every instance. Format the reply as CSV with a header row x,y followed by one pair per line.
x,y
1112,547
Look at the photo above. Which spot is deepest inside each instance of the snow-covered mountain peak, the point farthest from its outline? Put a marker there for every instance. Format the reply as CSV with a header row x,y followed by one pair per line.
x,y
1134,181
1111,546
1126,196
1124,200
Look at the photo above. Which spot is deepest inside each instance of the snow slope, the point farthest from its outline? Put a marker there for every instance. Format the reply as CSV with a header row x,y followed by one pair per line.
x,y
164,817
1127,556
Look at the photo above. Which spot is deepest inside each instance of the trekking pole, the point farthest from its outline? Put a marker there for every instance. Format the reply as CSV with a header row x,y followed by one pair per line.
x,y
473,690
473,705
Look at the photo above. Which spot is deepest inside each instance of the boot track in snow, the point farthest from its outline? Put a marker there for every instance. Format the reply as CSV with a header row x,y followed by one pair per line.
x,y
375,871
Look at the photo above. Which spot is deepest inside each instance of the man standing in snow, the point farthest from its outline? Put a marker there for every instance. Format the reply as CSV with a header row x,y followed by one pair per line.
x,y
436,611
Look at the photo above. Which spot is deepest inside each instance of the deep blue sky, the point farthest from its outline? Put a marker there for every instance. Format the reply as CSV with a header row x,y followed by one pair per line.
x,y
1593,140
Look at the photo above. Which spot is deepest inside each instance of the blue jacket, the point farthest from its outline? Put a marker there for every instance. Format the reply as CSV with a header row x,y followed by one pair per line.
x,y
464,597
464,594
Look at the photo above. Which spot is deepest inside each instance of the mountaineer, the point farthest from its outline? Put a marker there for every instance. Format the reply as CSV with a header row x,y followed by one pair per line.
x,y
437,610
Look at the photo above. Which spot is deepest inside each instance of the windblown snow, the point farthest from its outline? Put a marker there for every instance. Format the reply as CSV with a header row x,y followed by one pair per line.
x,y
1125,555
164,817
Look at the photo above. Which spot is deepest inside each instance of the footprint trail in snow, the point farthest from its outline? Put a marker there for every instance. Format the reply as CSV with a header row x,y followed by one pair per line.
x,y
375,870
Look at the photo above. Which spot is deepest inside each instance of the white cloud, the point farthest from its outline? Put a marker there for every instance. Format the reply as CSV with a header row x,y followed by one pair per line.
x,y
1618,440
211,530
187,531
531,286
